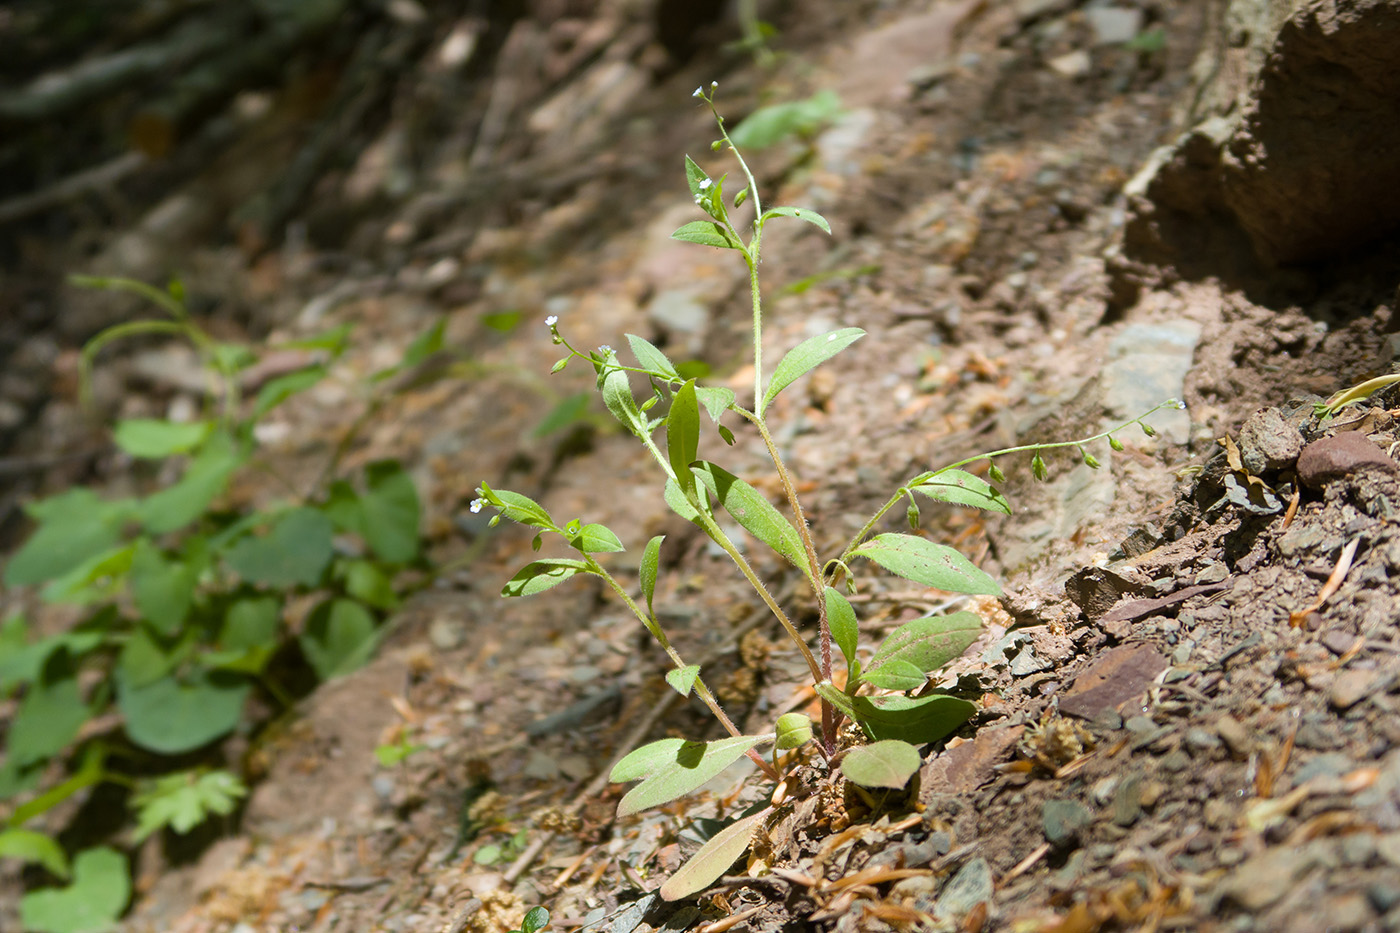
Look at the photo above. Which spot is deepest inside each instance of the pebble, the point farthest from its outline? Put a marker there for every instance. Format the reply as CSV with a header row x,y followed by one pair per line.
x,y
1176,761
1269,442
1233,734
1113,25
1127,801
972,885
1265,878
1351,687
1383,895
383,786
1064,820
1332,458
1201,740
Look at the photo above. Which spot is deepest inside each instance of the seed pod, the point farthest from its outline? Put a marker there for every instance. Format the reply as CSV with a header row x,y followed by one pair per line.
x,y
1038,468
995,473
1115,443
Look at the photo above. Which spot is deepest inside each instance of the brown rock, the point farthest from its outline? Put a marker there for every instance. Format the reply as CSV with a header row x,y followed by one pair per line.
x,y
1332,458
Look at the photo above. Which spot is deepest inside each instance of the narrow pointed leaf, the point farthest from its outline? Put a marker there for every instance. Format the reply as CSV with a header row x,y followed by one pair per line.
x,y
928,563
706,233
801,213
596,539
715,399
708,864
617,395
807,356
691,766
828,692
541,575
683,434
677,501
682,679
649,357
751,510
651,560
917,720
645,761
519,508
896,675
889,763
154,439
930,642
36,848
841,619
694,175
962,488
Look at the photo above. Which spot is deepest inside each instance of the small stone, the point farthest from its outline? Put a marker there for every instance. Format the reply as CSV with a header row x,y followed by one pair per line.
x,y
1358,849
972,885
1388,848
1063,820
1175,762
445,634
1234,736
1201,740
1351,687
1337,641
1383,895
1127,801
1113,25
1072,64
1265,878
1332,458
1269,442
383,786
1214,572
1140,725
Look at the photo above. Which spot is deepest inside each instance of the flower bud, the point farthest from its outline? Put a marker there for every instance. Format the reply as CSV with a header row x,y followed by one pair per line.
x,y
1038,468
995,473
1115,443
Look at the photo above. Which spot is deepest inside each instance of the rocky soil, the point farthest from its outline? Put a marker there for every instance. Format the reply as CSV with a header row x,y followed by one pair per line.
x,y
1049,216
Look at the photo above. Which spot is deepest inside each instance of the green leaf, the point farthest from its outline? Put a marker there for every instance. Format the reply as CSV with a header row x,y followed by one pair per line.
x,y
204,480
677,501
841,619
294,552
21,663
339,638
715,399
503,322
889,763
694,175
251,623
896,675
801,213
617,396
391,512
682,679
753,512
99,579
50,715
518,508
793,730
276,391
807,356
184,800
928,643
650,358
541,575
155,439
916,720
651,560
34,848
706,233
144,658
96,898
928,563
172,716
369,584
74,527
596,539
683,434
713,858
962,488
334,340
89,773
424,345
769,125
537,919
672,768
573,409
828,692
163,589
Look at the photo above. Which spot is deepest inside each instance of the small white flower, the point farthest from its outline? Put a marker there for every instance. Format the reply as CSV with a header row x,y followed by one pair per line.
x,y
705,184
604,349
699,200
699,92
551,320
476,505
713,85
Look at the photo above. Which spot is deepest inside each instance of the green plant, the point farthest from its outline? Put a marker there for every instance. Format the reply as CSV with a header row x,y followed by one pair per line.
x,y
184,605
535,920
887,695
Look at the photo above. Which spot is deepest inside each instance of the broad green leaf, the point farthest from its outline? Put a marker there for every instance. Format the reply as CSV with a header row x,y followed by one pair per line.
x,y
518,508
49,716
251,623
889,763
776,122
99,579
146,658
184,800
596,539
34,848
807,356
618,397
841,619
172,716
896,674
716,400
694,175
294,552
928,563
793,730
163,589
204,480
916,720
22,664
391,512
340,637
650,358
537,919
928,643
682,679
713,859
154,439
828,692
677,501
962,488
370,585
687,767
706,233
93,902
541,575
683,434
276,391
751,510
801,213
74,527
651,560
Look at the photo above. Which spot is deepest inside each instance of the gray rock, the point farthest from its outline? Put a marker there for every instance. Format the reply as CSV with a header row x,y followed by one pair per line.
x,y
972,885
1269,442
1147,365
1113,25
1064,820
